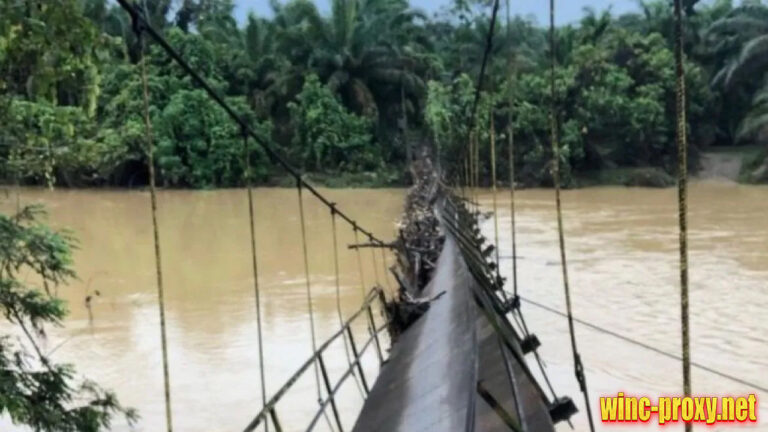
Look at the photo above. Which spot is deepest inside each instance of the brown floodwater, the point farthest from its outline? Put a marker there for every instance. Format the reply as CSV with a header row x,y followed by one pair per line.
x,y
622,250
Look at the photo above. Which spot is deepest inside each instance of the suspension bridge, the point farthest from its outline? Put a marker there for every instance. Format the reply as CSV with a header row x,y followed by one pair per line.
x,y
462,356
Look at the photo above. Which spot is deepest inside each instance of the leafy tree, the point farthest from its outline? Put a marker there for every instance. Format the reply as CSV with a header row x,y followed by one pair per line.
x,y
327,136
448,111
198,145
47,142
34,390
50,88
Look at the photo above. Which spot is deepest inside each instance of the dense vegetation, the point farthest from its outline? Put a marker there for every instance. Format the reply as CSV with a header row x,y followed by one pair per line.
x,y
34,390
330,92
343,96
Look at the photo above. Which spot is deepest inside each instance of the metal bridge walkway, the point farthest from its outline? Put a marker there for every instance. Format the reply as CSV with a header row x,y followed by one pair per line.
x,y
430,382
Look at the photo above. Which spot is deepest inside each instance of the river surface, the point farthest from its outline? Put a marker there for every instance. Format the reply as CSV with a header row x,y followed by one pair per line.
x,y
623,262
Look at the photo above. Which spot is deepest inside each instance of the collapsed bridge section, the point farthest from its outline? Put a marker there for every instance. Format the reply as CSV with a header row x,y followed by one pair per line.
x,y
457,363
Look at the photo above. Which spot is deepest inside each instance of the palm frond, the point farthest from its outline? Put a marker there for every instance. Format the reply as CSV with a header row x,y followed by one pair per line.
x,y
753,58
751,126
719,79
756,121
761,98
741,25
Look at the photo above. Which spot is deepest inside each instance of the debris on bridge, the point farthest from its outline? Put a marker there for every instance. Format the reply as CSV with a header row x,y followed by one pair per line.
x,y
418,247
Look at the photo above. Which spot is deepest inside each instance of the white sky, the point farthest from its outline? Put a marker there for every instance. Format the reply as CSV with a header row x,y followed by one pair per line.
x,y
567,10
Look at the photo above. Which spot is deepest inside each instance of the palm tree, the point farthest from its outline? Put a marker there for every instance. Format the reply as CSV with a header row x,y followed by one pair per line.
x,y
357,52
593,25
266,74
740,39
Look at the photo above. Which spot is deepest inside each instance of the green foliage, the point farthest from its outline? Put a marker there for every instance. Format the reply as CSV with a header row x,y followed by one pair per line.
x,y
49,91
738,49
35,391
447,114
198,145
44,55
327,136
756,121
72,95
437,113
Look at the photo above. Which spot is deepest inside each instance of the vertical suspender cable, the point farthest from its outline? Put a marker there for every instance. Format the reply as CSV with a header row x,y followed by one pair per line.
x,y
359,263
155,228
336,268
517,314
308,287
470,170
473,170
384,268
375,265
471,164
492,136
255,268
477,169
371,329
493,187
682,192
17,186
577,364
465,180
476,179
511,143
337,280
472,184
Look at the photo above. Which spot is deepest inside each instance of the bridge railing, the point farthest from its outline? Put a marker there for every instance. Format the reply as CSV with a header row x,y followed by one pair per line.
x,y
497,306
317,360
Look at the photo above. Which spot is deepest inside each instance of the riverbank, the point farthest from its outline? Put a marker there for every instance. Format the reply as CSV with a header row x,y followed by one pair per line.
x,y
741,164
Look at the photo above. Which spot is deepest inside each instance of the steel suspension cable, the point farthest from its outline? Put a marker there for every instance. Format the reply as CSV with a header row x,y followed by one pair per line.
x,y
682,192
255,269
646,346
155,228
473,153
577,364
484,64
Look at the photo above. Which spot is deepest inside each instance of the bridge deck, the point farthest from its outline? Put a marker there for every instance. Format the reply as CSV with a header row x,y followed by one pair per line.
x,y
430,380
427,383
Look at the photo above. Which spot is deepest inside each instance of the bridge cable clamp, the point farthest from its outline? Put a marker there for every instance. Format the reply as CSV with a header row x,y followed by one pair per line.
x,y
562,409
